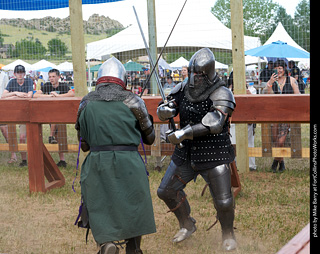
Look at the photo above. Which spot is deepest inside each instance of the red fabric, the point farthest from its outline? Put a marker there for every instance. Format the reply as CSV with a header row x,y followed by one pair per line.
x,y
108,79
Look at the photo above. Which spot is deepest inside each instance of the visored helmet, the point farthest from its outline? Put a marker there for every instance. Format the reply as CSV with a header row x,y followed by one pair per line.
x,y
202,63
112,71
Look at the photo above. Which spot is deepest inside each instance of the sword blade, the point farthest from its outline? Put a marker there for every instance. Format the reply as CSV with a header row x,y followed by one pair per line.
x,y
150,59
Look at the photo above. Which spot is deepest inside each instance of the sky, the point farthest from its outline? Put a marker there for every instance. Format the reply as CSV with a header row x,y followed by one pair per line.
x,y
123,13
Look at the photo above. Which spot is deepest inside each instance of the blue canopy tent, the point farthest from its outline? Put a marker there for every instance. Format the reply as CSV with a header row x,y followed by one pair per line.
x,y
278,49
36,5
46,69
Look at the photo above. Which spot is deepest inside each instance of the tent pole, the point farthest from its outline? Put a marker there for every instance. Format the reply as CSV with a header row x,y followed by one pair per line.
x,y
239,80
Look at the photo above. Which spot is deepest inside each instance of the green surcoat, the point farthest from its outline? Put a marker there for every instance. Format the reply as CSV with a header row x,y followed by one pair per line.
x,y
114,184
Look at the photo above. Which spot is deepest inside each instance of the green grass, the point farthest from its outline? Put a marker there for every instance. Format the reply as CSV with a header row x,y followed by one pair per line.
x,y
270,210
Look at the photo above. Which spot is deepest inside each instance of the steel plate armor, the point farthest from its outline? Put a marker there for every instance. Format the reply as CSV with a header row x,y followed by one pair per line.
x,y
204,106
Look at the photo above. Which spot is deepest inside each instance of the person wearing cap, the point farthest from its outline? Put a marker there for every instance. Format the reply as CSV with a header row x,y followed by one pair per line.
x,y
20,87
169,84
281,83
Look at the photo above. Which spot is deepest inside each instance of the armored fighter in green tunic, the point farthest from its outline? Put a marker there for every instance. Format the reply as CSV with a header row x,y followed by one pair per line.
x,y
114,184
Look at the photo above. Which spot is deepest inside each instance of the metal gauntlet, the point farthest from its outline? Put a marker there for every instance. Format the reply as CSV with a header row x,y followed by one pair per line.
x,y
178,136
166,112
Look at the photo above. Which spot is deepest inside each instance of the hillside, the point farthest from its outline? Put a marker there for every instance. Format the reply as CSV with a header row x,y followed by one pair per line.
x,y
96,28
96,24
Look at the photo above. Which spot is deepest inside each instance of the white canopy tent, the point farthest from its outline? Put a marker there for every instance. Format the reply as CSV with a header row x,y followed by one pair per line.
x,y
202,30
280,34
43,64
10,67
181,61
219,65
65,66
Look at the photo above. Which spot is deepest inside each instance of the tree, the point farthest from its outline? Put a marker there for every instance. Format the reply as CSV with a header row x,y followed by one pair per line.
x,y
285,19
302,23
29,49
258,15
57,47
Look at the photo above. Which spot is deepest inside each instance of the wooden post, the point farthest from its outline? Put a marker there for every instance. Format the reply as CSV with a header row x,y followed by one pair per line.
x,y
62,138
40,163
78,47
266,140
152,32
35,158
12,138
239,80
78,53
295,136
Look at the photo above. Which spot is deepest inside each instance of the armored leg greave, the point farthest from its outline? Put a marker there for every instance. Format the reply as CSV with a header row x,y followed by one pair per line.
x,y
171,192
219,179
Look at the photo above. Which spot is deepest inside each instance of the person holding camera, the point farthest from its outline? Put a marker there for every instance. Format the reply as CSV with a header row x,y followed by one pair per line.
x,y
281,83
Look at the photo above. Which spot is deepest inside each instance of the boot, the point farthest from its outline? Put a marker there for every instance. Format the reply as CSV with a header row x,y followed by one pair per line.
x,y
274,166
108,248
282,167
133,245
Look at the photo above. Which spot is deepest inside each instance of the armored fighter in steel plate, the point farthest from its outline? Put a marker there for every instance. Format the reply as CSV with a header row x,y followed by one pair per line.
x,y
203,145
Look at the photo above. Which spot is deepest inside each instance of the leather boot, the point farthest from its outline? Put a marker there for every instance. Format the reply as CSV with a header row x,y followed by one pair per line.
x,y
282,167
133,245
274,166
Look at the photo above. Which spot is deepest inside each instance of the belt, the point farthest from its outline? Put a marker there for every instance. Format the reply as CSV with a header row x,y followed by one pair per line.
x,y
113,148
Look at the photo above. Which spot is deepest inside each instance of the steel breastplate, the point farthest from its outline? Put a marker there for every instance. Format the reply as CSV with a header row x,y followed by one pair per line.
x,y
207,151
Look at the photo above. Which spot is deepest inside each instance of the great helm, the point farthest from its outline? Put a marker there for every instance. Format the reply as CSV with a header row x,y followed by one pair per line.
x,y
112,71
202,63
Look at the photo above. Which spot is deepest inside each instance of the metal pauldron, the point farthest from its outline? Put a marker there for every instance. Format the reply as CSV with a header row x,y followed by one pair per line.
x,y
138,108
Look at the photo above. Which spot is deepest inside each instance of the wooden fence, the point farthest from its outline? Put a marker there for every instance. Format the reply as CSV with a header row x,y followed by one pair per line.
x,y
35,112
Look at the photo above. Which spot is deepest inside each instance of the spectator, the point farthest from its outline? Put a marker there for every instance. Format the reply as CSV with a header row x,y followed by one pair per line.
x,y
3,127
146,72
281,83
230,81
169,84
184,73
40,83
20,87
296,73
55,89
266,72
135,84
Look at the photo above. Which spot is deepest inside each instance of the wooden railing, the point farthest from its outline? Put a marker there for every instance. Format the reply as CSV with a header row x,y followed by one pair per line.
x,y
35,112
